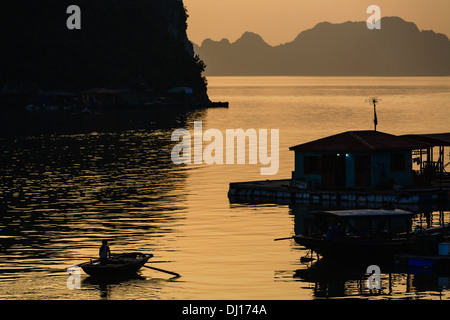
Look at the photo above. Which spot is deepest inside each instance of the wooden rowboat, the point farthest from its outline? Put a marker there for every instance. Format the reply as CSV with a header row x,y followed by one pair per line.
x,y
125,264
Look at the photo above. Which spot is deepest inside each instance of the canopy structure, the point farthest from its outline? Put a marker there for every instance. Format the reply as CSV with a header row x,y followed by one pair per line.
x,y
429,166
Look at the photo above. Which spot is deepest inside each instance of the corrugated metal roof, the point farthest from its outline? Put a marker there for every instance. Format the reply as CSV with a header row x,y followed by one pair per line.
x,y
361,141
368,213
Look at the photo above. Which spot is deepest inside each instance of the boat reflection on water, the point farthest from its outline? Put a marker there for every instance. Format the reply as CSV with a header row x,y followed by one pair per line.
x,y
338,279
105,286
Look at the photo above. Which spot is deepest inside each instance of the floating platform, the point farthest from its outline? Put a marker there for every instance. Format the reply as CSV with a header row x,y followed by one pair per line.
x,y
195,105
281,191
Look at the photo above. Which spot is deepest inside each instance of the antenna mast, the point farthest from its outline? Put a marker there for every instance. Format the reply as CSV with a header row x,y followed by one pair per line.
x,y
374,100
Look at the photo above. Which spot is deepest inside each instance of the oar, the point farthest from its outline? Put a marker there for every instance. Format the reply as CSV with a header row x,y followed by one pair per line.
x,y
283,238
173,273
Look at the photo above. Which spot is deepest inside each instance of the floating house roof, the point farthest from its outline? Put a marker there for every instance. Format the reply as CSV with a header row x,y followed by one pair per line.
x,y
436,139
101,91
361,141
57,93
368,213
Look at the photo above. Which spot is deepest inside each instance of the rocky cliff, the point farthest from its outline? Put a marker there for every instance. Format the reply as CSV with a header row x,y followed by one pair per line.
x,y
121,44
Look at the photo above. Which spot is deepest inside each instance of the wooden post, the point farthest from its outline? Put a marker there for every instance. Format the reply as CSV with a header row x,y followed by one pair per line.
x,y
407,228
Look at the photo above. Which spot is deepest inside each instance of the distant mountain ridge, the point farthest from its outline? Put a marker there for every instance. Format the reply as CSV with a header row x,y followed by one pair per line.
x,y
399,48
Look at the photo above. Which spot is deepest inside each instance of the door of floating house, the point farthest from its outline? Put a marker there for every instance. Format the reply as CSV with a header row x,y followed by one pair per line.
x,y
333,171
363,170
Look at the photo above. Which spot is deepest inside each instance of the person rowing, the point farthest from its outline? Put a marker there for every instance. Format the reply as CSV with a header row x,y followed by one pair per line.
x,y
104,252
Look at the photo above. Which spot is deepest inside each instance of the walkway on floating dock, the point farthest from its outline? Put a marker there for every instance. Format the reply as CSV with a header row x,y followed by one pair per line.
x,y
281,191
432,263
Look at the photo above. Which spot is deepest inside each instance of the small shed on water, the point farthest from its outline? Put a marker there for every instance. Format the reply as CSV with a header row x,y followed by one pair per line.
x,y
365,159
100,97
58,98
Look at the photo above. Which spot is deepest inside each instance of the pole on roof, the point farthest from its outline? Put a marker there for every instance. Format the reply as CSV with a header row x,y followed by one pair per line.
x,y
374,100
375,120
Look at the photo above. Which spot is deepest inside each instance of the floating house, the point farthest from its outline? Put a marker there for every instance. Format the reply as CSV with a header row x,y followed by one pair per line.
x,y
365,159
58,98
100,97
362,168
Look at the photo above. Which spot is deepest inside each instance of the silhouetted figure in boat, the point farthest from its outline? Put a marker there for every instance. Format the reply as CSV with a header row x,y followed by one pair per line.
x,y
104,252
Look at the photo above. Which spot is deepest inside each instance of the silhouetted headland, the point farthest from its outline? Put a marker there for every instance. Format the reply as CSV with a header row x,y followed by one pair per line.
x,y
399,48
136,49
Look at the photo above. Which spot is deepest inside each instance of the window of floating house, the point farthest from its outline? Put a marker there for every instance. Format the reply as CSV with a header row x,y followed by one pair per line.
x,y
397,162
328,163
311,165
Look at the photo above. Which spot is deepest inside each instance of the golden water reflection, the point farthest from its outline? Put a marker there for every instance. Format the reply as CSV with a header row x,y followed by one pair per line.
x,y
65,190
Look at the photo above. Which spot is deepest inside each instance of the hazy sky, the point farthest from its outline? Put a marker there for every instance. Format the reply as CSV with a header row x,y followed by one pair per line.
x,y
279,21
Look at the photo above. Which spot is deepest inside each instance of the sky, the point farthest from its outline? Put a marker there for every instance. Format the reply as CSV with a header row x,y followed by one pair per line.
x,y
280,21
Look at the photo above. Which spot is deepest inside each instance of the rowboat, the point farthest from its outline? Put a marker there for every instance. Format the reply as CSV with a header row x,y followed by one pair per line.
x,y
125,264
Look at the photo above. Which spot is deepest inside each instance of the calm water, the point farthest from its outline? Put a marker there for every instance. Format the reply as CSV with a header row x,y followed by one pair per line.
x,y
65,188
